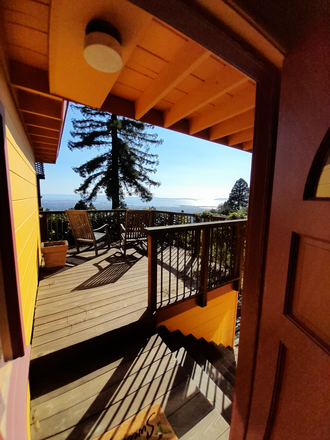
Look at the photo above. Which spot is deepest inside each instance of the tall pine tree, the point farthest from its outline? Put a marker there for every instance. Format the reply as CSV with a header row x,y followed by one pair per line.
x,y
239,196
125,163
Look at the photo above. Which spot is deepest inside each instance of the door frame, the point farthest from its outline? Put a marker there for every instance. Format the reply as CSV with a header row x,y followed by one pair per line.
x,y
224,43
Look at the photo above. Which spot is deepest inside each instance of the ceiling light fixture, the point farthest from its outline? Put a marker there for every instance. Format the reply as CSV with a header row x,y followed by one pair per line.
x,y
103,49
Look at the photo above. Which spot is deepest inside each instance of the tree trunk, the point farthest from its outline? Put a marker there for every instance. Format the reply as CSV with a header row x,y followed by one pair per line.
x,y
115,168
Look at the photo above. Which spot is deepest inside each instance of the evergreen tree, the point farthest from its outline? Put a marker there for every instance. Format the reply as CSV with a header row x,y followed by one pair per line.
x,y
124,164
239,196
224,209
81,204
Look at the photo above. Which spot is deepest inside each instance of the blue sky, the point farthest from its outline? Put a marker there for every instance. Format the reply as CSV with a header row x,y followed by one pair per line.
x,y
188,167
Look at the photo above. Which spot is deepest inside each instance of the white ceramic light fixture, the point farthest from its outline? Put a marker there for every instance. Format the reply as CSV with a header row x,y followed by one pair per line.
x,y
102,48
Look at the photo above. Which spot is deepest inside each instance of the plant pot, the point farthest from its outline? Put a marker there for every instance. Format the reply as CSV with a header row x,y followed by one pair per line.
x,y
54,253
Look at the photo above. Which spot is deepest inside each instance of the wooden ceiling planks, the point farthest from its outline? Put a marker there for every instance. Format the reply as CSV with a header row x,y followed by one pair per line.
x,y
167,79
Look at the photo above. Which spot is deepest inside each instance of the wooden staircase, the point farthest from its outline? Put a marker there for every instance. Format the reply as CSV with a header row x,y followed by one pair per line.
x,y
88,389
212,367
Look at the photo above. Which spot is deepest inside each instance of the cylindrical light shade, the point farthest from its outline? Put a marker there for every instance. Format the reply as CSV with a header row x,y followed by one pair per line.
x,y
103,52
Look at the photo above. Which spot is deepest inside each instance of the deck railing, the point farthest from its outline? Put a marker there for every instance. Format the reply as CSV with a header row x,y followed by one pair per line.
x,y
191,259
54,225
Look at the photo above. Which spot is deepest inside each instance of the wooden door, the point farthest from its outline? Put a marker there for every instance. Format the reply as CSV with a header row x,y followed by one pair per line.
x,y
291,392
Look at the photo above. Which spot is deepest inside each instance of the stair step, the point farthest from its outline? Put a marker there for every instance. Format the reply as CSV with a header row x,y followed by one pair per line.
x,y
226,352
228,360
189,416
214,357
211,427
191,348
191,339
211,383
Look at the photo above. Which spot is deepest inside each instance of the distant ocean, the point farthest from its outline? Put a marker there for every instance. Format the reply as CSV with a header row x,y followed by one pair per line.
x,y
60,202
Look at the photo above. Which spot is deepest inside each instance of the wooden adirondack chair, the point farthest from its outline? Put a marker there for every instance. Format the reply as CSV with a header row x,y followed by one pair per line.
x,y
134,229
83,232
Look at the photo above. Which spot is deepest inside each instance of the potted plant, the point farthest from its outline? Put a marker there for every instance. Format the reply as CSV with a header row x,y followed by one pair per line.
x,y
54,253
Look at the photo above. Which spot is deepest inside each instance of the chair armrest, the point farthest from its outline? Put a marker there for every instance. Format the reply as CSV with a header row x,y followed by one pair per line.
x,y
104,227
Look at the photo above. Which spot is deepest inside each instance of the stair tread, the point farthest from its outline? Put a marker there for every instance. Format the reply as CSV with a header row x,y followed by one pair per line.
x,y
203,378
226,352
215,359
210,427
196,363
188,416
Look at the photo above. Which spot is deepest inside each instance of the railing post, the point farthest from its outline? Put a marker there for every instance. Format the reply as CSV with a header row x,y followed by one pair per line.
x,y
118,225
43,225
152,272
239,245
152,217
202,299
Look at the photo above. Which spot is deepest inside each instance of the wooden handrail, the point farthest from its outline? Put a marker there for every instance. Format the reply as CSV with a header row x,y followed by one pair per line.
x,y
156,230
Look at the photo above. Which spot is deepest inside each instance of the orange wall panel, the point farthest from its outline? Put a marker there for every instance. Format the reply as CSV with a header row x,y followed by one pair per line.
x,y
216,322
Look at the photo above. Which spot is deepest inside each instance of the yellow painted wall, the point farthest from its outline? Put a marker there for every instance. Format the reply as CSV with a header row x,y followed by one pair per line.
x,y
25,216
25,206
215,322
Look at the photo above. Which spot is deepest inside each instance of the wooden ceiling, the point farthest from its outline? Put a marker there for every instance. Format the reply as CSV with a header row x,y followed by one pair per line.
x,y
167,79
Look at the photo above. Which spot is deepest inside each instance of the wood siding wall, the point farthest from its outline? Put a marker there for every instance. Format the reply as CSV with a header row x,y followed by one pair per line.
x,y
25,206
216,322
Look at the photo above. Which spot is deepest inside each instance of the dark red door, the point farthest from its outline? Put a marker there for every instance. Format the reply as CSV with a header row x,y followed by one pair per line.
x,y
291,392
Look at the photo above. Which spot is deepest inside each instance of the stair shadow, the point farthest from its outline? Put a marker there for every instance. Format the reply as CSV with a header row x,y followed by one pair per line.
x,y
111,269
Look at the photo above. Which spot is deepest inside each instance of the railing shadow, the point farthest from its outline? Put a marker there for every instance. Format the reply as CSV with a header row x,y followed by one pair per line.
x,y
111,269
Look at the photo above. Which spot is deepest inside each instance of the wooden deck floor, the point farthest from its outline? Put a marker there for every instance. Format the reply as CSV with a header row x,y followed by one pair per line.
x,y
95,296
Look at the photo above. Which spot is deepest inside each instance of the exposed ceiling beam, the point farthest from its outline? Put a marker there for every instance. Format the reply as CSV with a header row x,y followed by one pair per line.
x,y
248,146
185,61
241,136
230,106
222,82
123,107
232,125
